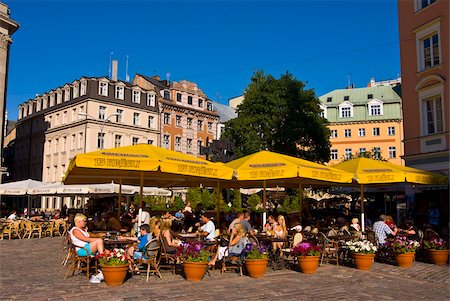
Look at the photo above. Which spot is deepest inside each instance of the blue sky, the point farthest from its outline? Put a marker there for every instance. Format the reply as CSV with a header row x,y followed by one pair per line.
x,y
217,44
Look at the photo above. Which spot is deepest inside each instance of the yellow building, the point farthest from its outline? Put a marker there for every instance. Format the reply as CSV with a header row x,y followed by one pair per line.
x,y
363,120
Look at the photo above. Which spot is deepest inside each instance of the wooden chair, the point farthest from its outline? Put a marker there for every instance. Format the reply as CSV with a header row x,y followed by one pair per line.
x,y
372,237
298,237
32,228
80,263
233,262
330,249
167,259
253,239
14,229
150,257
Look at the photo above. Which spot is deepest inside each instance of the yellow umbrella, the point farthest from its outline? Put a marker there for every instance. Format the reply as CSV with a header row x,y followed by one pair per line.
x,y
369,171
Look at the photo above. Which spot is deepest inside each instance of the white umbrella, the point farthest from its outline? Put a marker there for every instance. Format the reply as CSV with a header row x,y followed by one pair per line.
x,y
19,187
45,189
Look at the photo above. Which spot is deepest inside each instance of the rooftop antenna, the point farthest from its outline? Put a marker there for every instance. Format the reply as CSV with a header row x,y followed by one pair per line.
x,y
349,80
110,63
168,77
127,77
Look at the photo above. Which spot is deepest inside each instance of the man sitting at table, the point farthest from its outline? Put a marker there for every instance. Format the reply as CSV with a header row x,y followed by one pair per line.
x,y
208,228
238,219
81,238
382,230
245,222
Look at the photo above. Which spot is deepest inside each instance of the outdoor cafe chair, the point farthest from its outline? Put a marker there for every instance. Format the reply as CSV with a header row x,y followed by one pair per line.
x,y
80,263
167,259
330,249
298,237
32,228
13,229
231,262
150,257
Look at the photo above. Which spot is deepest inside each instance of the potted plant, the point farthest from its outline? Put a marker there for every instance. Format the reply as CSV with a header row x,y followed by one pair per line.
x,y
256,259
308,256
114,266
438,250
195,259
404,250
363,253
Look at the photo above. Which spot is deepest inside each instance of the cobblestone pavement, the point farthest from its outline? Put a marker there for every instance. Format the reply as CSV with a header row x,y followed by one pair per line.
x,y
31,270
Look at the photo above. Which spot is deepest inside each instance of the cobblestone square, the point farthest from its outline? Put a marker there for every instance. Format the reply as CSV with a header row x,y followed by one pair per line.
x,y
31,270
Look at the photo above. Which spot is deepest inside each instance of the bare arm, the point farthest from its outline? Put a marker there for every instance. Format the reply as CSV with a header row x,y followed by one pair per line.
x,y
169,239
77,233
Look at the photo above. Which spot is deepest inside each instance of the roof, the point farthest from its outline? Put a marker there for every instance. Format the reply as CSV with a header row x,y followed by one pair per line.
x,y
159,83
226,113
359,95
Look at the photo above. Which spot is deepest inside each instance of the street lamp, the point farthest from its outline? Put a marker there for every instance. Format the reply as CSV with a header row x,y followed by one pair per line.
x,y
102,124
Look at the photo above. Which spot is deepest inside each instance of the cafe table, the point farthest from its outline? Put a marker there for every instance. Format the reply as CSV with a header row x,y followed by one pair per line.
x,y
117,243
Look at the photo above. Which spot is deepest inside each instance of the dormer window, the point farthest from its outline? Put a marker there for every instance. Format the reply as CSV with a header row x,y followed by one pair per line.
x,y
103,88
346,110
329,99
59,97
166,94
39,105
189,100
209,106
200,103
375,108
75,90
151,99
178,96
346,97
136,96
83,88
369,96
119,92
323,112
52,99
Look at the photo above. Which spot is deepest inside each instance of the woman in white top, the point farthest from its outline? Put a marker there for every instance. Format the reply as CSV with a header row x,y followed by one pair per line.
x,y
81,238
280,231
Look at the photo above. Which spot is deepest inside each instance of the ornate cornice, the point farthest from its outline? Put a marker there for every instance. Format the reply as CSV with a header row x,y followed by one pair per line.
x,y
5,40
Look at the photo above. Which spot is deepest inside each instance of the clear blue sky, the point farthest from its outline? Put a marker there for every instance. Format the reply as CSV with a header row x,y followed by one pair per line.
x,y
217,44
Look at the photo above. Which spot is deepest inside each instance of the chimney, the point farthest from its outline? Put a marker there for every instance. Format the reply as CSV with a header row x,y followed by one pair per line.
x,y
115,65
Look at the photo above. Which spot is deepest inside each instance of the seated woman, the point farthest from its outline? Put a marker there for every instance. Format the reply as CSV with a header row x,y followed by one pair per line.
x,y
238,241
170,244
155,227
81,238
280,232
410,230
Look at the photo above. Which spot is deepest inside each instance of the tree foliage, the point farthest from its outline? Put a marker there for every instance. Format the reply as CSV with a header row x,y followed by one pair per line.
x,y
279,115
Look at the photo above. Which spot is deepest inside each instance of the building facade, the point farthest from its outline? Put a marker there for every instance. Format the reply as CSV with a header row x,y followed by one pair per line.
x,y
424,55
188,119
364,120
7,27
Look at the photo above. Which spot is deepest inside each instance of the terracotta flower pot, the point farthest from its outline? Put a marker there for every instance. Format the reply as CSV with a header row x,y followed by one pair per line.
x,y
405,260
308,264
194,271
256,268
439,257
114,275
364,261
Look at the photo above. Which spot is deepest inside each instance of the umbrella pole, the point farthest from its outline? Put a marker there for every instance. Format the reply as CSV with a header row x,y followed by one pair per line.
x,y
362,209
119,197
141,199
300,197
264,205
218,205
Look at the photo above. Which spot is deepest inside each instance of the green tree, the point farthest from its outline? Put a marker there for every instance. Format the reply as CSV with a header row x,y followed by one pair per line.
x,y
237,201
177,203
194,195
371,154
279,115
254,202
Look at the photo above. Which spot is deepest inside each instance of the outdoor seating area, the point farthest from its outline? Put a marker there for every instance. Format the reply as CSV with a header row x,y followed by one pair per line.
x,y
26,229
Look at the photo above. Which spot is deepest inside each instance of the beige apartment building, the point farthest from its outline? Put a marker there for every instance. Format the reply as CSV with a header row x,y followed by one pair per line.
x,y
89,114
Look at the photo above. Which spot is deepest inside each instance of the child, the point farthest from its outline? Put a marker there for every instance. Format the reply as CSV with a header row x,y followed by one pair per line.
x,y
143,239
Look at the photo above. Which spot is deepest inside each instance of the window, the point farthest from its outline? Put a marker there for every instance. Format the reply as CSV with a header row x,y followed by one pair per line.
x,y
166,94
117,140
119,92
57,120
392,152
178,144
199,125
100,140
391,131
166,141
52,99
346,112
74,114
178,120
119,115
102,113
210,127
376,152
329,99
178,96
72,142
75,91
103,88
166,118
150,142
189,145
136,96
135,140
361,132
334,133
375,109
135,118
362,151
420,4
59,97
189,123
348,153
81,112
346,97
67,94
83,88
430,51
347,133
151,99
376,131
334,154
369,96
209,106
199,146
189,100
49,147
64,144
200,103
64,121
150,121
80,140
433,115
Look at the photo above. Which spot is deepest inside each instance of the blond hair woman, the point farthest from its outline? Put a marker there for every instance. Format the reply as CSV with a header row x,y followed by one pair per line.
x,y
280,231
81,238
